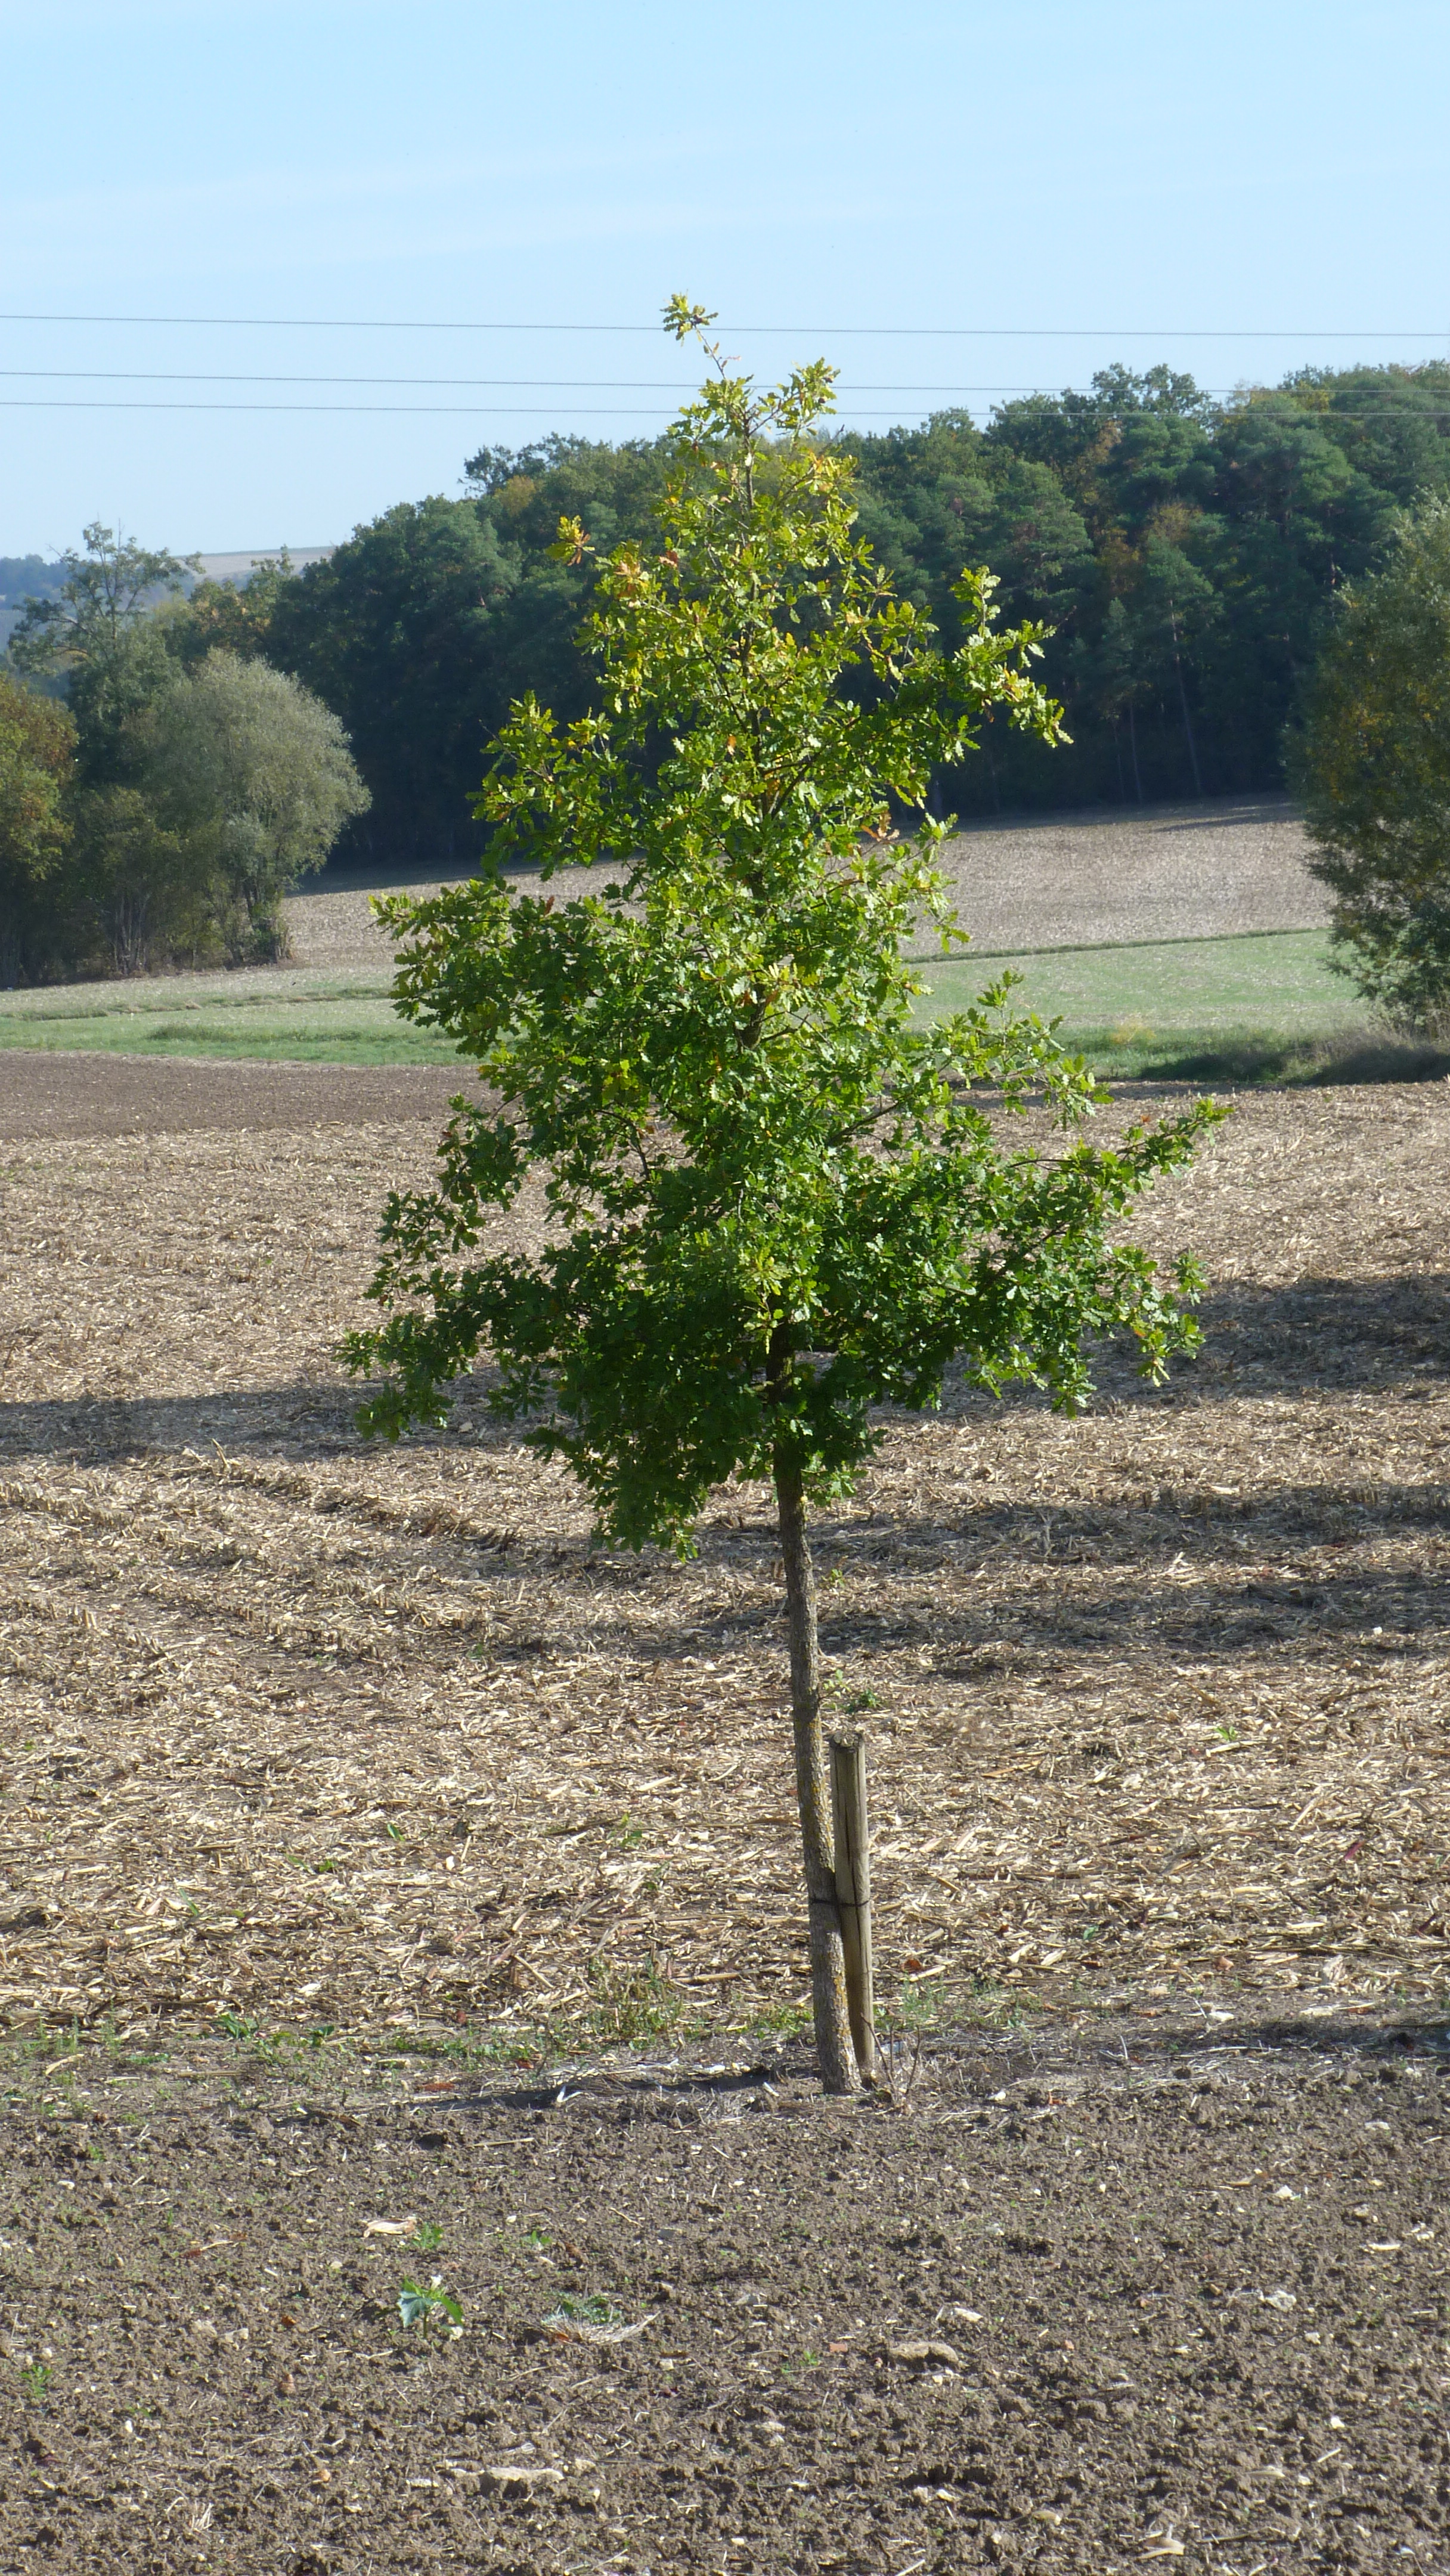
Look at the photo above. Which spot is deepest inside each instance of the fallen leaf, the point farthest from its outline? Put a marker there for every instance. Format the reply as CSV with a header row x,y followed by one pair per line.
x,y
390,2226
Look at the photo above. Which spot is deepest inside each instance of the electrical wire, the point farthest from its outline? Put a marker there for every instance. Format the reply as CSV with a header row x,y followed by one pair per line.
x,y
847,412
457,384
755,330
397,411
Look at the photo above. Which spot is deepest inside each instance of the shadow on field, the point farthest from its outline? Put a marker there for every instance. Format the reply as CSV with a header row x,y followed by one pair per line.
x,y
314,1422
1258,2041
1172,1606
1256,1061
1313,1334
1297,1340
1384,2044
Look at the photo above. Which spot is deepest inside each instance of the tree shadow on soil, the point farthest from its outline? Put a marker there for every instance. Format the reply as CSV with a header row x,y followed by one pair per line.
x,y
1302,1339
1264,2035
1316,1334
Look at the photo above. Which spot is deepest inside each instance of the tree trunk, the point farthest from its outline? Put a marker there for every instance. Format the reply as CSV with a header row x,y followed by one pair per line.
x,y
834,2049
1133,746
1187,719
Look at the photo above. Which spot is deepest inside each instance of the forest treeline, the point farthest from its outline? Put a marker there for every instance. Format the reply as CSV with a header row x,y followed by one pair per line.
x,y
1186,551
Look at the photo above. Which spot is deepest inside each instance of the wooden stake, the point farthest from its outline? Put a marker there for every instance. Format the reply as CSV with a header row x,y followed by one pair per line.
x,y
852,1836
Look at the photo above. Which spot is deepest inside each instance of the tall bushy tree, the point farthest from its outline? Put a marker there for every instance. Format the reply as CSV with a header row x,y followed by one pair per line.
x,y
775,1200
1372,764
254,777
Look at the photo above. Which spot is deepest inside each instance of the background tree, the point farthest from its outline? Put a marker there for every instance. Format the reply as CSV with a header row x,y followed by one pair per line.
x,y
226,616
137,898
1372,764
774,1202
99,597
37,755
253,778
201,786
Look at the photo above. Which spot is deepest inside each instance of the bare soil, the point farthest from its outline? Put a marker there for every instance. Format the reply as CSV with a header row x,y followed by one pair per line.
x,y
1161,2297
63,1094
1204,871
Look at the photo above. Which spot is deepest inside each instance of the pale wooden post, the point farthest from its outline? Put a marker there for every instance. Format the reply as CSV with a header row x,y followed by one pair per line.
x,y
852,1835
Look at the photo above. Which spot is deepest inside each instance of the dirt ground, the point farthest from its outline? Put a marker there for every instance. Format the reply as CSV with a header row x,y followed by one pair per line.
x,y
347,1789
1154,2297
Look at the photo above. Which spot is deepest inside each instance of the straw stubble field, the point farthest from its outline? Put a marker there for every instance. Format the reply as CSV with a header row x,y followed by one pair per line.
x,y
314,1734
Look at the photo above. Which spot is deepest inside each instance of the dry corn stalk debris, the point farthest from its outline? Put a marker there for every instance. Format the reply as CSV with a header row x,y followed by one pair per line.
x,y
314,1732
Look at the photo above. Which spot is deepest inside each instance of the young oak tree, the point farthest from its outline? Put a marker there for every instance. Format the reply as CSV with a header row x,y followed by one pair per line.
x,y
774,1202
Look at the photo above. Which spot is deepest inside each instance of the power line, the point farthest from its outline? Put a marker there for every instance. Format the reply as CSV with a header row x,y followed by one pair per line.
x,y
406,411
458,384
541,384
754,330
851,411
462,384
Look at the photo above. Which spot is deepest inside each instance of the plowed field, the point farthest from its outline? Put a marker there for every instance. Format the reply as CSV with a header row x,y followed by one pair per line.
x,y
312,1731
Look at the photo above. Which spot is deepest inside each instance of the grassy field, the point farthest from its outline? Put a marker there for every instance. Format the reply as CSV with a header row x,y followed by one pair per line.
x,y
1130,1008
1186,941
1136,1005
283,1016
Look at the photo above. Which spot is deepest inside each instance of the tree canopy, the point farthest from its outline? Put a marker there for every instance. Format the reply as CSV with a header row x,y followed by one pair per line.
x,y
1372,764
253,775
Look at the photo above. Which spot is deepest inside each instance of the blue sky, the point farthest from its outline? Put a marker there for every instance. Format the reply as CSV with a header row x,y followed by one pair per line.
x,y
1067,184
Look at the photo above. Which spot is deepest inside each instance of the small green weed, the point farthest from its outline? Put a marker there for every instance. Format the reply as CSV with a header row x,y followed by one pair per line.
x,y
630,2004
35,2379
427,2236
434,2306
781,2021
